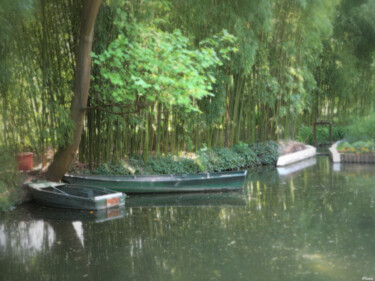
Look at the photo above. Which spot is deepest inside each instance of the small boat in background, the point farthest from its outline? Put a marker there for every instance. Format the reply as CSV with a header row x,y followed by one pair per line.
x,y
225,181
74,196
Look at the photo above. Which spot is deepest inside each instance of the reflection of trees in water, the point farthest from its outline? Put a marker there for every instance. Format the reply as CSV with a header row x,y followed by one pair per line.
x,y
168,242
325,212
317,224
41,250
26,238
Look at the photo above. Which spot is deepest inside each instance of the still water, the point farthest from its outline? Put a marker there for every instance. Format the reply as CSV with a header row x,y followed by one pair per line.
x,y
310,222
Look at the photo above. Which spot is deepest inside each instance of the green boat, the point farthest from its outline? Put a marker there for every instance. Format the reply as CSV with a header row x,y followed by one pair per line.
x,y
74,196
225,181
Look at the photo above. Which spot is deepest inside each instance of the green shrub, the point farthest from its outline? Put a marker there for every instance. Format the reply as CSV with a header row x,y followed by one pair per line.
x,y
207,160
223,159
249,156
154,165
171,165
267,152
112,168
362,129
10,180
227,159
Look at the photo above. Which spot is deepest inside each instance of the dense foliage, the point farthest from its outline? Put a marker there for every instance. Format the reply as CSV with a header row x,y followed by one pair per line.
x,y
240,156
359,136
182,75
9,180
362,129
306,134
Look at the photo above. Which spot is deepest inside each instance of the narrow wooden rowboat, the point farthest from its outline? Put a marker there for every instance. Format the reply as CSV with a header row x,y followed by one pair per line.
x,y
75,196
225,181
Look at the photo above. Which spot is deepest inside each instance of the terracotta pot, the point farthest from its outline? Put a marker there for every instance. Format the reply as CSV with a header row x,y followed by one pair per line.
x,y
25,161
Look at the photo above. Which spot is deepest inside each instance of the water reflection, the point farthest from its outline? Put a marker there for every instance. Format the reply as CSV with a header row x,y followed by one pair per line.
x,y
236,198
314,224
296,167
27,237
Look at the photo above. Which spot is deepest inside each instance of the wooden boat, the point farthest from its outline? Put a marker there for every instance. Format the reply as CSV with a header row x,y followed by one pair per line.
x,y
205,182
75,196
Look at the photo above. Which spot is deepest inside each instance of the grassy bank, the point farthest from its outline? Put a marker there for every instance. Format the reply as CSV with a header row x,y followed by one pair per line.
x,y
240,156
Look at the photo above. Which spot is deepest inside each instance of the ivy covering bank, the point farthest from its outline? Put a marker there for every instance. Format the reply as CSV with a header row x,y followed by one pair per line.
x,y
240,156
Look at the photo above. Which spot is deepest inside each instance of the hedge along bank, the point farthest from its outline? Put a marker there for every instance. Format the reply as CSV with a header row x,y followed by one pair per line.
x,y
240,156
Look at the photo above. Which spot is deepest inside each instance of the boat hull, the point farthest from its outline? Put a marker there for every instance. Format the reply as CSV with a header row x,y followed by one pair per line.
x,y
43,193
164,184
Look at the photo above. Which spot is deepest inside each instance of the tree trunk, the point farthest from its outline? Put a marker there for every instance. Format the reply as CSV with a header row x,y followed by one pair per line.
x,y
65,155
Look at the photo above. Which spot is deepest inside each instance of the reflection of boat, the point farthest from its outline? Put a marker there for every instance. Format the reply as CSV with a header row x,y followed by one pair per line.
x,y
31,211
188,199
293,168
164,183
74,196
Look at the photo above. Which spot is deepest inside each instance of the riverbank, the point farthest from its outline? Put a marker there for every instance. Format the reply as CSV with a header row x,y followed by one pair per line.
x,y
240,156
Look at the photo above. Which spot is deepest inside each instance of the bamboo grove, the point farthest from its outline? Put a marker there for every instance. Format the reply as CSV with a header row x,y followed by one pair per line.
x,y
288,63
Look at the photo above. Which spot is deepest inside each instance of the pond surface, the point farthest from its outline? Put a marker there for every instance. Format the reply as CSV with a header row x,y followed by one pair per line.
x,y
310,222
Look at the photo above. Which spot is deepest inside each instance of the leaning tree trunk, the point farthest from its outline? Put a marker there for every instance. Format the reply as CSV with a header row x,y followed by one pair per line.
x,y
65,155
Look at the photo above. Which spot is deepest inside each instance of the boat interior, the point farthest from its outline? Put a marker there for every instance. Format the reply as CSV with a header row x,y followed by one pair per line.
x,y
76,191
